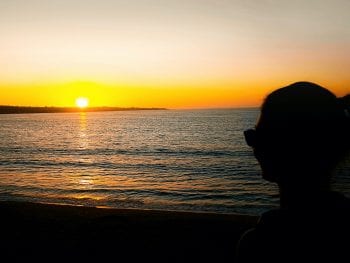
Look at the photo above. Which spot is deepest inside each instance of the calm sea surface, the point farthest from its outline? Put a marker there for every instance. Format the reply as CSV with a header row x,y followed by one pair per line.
x,y
169,160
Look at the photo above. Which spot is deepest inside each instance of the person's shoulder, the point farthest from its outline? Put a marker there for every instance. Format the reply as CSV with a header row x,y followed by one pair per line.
x,y
309,232
267,240
270,226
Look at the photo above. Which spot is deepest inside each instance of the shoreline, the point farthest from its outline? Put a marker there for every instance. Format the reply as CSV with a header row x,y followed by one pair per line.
x,y
89,233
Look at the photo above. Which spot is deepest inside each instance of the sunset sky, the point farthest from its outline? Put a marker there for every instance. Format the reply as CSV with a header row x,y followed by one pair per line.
x,y
169,53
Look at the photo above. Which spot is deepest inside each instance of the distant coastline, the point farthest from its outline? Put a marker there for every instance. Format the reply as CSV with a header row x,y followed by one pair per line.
x,y
4,109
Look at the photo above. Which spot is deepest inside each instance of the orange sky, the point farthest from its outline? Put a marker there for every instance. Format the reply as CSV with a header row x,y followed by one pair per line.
x,y
173,54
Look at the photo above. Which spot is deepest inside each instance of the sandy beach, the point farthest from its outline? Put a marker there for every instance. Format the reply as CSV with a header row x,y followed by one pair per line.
x,y
45,232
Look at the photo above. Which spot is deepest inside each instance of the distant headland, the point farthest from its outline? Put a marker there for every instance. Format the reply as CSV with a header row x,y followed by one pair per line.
x,y
27,109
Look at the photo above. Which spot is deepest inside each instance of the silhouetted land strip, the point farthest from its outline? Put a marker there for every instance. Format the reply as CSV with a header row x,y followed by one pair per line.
x,y
24,109
53,232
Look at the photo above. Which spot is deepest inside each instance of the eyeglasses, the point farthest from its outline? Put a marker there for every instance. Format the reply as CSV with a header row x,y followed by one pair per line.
x,y
250,137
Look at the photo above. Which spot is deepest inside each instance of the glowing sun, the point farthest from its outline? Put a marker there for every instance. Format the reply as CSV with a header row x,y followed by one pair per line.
x,y
82,102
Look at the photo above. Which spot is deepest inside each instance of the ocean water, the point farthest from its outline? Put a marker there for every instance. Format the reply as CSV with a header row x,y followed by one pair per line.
x,y
168,160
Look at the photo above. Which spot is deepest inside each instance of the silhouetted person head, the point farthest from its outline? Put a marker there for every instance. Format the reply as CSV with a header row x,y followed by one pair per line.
x,y
302,133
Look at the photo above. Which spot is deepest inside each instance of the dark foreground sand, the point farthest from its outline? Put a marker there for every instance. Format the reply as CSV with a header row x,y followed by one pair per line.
x,y
42,232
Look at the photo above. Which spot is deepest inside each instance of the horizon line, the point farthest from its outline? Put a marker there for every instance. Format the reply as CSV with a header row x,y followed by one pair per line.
x,y
134,107
9,109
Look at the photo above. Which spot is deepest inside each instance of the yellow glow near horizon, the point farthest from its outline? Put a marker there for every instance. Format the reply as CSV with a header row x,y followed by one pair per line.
x,y
82,102
214,94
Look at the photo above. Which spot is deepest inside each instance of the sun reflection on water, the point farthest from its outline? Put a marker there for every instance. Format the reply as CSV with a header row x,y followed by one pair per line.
x,y
83,140
82,121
